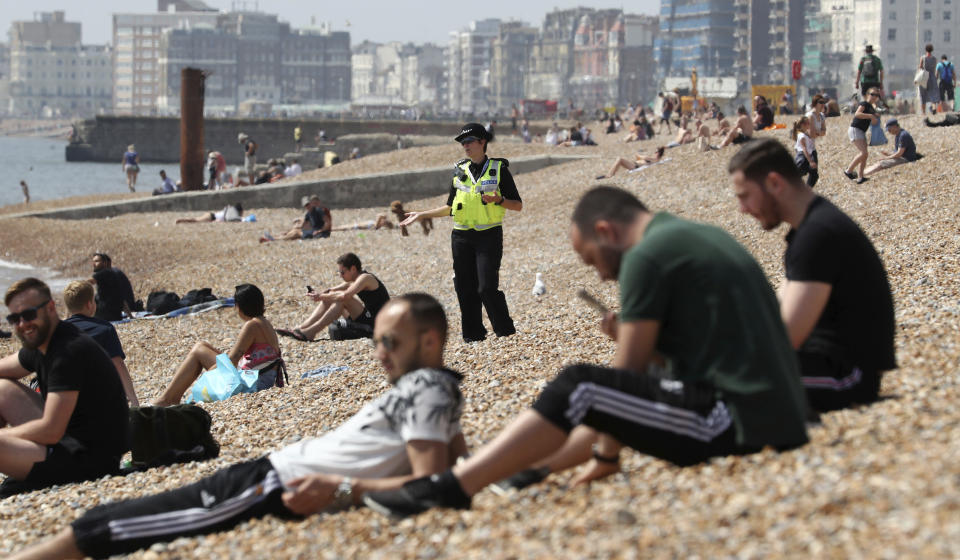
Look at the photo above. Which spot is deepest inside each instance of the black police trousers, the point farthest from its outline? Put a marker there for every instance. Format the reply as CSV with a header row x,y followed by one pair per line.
x,y
476,266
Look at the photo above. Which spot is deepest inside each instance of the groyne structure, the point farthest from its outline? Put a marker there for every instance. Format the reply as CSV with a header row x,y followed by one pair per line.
x,y
363,191
105,138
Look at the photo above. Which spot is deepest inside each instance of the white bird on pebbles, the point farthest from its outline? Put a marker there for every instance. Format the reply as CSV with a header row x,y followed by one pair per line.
x,y
539,288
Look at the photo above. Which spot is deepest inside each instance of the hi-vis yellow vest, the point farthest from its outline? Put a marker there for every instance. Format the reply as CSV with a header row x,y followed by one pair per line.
x,y
469,211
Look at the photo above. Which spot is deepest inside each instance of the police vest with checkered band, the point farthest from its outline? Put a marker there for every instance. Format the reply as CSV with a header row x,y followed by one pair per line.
x,y
469,211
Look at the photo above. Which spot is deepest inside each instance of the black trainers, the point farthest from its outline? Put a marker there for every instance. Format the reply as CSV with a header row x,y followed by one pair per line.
x,y
862,180
519,481
849,175
417,496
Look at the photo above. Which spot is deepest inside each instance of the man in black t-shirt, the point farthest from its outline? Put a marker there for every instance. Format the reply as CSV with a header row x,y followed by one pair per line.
x,y
836,301
114,292
76,427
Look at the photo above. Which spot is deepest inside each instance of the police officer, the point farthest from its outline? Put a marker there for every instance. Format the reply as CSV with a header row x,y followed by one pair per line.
x,y
481,192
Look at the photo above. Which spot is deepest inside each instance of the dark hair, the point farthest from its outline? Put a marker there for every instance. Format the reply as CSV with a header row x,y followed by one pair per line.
x,y
104,257
426,312
759,157
349,260
239,208
928,48
944,57
249,300
742,110
23,285
605,203
660,151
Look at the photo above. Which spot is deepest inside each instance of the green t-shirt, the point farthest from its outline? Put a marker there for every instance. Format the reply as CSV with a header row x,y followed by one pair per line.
x,y
870,67
719,323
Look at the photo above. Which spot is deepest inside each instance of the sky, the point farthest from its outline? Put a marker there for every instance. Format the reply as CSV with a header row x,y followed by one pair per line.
x,y
418,21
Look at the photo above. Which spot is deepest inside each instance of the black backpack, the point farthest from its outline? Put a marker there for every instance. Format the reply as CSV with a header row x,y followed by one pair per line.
x,y
161,303
165,435
193,297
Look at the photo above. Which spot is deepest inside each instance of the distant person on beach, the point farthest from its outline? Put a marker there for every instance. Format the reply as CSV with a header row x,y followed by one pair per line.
x,y
249,154
316,222
411,430
763,114
805,149
743,130
131,166
381,222
26,191
865,116
256,345
950,119
836,301
75,426
703,367
167,185
293,169
298,137
639,160
230,213
350,306
666,109
79,299
114,292
947,76
869,72
904,149
929,91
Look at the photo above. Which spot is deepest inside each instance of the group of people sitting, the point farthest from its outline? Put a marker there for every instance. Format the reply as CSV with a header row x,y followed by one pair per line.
x,y
708,363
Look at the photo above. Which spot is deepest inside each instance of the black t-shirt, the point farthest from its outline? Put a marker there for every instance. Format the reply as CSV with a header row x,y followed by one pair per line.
x,y
113,288
374,300
74,362
857,323
317,217
100,331
766,117
508,188
864,124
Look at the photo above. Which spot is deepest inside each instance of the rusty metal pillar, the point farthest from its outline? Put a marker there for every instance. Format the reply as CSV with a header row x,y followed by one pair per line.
x,y
191,128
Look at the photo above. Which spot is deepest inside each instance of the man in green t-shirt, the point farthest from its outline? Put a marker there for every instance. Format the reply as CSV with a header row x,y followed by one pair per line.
x,y
703,366
869,72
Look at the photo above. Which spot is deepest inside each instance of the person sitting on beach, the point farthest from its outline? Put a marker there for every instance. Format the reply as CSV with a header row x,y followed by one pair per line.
x,y
703,367
114,292
836,301
950,119
167,185
74,427
426,224
742,132
723,125
575,138
256,345
293,169
353,304
411,430
78,296
763,114
631,165
636,132
316,222
904,149
230,213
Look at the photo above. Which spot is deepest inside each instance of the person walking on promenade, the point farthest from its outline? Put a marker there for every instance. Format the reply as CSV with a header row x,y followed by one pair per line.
x,y
131,166
869,72
298,137
929,92
482,190
26,191
865,116
249,154
947,75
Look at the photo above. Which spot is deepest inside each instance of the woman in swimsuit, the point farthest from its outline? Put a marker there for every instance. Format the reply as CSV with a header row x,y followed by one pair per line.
x,y
256,345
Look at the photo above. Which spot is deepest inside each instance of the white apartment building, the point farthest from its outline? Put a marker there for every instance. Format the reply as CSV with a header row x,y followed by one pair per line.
x,y
136,64
395,75
52,74
469,56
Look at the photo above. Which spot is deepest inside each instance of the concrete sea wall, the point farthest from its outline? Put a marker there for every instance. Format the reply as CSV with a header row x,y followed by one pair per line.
x,y
350,192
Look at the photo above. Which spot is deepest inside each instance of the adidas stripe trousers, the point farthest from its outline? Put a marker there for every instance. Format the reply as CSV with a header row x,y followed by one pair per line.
x,y
223,500
832,384
680,423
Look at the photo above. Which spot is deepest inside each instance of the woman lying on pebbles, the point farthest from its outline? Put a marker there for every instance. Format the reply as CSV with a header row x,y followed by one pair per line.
x,y
257,345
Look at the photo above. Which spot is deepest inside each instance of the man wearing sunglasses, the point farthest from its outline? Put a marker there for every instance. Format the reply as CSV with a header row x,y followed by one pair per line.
x,y
411,430
75,428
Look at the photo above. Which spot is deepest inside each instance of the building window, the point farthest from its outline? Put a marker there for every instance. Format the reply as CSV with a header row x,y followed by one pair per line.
x,y
946,36
946,15
893,16
927,15
891,34
928,36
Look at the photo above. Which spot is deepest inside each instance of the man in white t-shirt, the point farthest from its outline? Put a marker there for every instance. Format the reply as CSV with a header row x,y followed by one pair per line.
x,y
411,431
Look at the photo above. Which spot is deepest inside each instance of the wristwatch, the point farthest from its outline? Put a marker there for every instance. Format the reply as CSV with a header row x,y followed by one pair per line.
x,y
343,495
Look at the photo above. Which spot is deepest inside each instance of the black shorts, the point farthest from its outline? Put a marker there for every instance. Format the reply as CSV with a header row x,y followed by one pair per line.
x,y
946,91
832,383
71,461
681,423
228,497
741,138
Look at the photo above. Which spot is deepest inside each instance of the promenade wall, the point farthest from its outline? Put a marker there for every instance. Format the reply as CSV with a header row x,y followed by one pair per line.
x,y
350,192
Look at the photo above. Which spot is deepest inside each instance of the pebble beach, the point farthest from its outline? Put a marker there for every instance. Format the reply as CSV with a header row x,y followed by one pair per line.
x,y
881,481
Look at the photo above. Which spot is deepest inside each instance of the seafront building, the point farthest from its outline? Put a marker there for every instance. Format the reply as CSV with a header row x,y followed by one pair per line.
x,y
469,54
768,36
395,76
51,73
695,34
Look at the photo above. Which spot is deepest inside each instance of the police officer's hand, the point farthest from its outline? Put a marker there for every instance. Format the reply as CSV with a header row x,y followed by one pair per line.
x,y
412,218
609,324
491,198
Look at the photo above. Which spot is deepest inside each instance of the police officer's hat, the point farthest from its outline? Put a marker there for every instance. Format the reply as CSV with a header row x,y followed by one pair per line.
x,y
474,130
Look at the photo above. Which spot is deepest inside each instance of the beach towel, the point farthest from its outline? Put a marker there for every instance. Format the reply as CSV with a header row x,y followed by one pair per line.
x,y
323,371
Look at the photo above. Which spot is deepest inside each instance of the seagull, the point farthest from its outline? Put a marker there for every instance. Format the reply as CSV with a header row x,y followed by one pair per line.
x,y
539,288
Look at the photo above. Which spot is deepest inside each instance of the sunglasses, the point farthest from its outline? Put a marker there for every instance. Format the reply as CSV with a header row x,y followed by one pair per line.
x,y
389,342
28,314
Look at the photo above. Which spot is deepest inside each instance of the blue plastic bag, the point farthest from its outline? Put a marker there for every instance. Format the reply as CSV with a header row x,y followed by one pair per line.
x,y
222,382
877,137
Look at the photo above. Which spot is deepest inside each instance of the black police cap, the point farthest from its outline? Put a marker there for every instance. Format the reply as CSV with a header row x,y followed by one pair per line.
x,y
473,129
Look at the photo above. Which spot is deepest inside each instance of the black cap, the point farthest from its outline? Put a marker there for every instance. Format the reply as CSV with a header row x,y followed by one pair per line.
x,y
474,130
